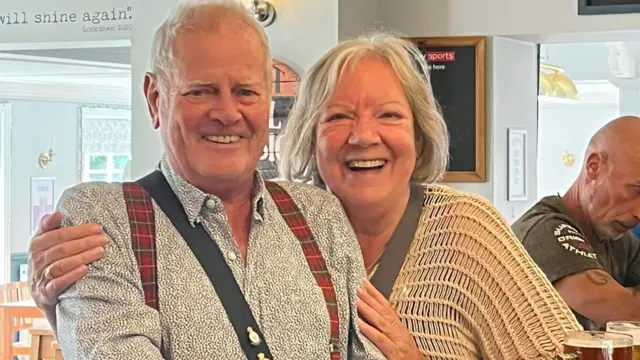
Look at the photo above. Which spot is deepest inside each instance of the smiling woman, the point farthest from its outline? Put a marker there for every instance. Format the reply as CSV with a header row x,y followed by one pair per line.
x,y
443,262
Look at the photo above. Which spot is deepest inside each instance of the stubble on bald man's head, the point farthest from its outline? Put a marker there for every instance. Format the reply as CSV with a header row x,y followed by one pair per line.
x,y
618,142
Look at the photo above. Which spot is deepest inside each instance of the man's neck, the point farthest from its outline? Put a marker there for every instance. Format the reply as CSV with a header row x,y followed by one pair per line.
x,y
576,211
237,193
239,217
237,199
374,226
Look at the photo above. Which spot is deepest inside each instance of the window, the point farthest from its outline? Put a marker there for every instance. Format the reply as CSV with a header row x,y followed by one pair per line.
x,y
104,167
105,144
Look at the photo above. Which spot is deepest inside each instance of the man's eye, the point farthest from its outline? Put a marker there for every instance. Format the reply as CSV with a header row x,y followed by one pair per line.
x,y
195,93
246,92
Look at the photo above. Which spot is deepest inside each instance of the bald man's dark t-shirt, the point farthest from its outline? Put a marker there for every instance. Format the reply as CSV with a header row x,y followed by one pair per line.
x,y
560,248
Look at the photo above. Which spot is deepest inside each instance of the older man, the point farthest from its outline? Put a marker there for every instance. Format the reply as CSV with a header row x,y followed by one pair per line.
x,y
582,240
221,265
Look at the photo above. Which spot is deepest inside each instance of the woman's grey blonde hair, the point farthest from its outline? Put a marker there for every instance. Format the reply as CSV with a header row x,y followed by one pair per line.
x,y
317,85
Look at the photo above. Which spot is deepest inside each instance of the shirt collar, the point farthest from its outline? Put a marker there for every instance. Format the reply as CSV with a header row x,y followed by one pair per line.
x,y
194,200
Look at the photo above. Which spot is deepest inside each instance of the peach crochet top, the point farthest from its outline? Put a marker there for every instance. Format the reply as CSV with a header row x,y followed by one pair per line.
x,y
468,289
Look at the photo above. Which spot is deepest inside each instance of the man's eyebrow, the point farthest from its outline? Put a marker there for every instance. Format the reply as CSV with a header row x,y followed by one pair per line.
x,y
248,83
200,83
213,85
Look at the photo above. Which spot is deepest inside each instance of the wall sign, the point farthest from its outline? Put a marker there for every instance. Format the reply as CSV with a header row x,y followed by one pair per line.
x,y
65,20
517,164
602,7
42,199
457,68
285,88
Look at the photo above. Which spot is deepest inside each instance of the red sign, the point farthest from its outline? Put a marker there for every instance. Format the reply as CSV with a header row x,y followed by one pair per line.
x,y
441,56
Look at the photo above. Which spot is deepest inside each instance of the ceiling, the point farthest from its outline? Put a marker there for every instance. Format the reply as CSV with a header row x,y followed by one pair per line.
x,y
117,55
586,61
104,67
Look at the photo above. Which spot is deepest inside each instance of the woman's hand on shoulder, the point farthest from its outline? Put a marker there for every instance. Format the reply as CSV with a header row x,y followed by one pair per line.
x,y
380,324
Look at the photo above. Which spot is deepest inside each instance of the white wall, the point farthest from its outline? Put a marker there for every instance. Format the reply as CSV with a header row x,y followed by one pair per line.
x,y
357,17
495,17
5,203
512,103
34,123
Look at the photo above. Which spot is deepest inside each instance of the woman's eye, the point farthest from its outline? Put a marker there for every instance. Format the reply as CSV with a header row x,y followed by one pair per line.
x,y
390,115
336,117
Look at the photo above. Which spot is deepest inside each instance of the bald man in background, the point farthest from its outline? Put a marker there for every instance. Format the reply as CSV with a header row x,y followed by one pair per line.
x,y
582,240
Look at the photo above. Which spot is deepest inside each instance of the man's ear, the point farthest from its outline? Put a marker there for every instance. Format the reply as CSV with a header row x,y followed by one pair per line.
x,y
153,96
594,164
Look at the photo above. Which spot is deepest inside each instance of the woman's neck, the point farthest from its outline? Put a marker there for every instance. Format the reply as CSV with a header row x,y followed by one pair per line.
x,y
375,223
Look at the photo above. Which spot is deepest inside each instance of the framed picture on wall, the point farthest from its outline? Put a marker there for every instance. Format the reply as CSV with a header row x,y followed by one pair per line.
x,y
457,69
42,199
604,7
517,164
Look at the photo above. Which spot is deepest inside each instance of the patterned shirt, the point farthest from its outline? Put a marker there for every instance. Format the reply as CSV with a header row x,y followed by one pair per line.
x,y
103,316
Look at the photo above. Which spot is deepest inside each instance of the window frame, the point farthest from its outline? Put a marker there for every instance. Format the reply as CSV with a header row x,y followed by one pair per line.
x,y
110,170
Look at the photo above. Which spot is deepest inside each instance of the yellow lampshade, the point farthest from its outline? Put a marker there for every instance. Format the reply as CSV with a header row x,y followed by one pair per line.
x,y
553,83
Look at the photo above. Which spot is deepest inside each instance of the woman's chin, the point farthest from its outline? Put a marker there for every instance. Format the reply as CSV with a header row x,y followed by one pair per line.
x,y
364,198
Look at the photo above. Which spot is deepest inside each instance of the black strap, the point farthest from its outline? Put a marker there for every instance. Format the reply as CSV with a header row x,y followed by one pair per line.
x,y
399,244
212,261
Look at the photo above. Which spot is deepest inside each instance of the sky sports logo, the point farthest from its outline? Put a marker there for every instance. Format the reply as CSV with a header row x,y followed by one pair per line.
x,y
441,56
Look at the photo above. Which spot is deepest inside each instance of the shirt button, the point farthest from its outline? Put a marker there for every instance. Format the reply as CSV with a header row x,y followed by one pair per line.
x,y
210,204
232,256
198,220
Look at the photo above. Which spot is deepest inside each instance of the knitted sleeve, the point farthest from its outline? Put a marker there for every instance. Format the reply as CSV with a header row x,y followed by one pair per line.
x,y
469,290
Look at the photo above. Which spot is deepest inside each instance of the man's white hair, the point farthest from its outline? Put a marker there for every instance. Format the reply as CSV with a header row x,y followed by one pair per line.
x,y
200,15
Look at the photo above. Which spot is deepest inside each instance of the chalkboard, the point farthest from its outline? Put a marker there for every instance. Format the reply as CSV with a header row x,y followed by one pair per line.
x,y
457,69
602,7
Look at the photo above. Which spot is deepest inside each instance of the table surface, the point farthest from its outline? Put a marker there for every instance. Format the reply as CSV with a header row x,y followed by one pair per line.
x,y
26,303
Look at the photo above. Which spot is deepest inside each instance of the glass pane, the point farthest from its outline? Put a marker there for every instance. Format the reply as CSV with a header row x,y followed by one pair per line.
x,y
117,177
98,177
119,161
98,162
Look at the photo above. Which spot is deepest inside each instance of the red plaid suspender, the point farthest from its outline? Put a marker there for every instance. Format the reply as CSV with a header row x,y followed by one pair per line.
x,y
298,225
143,236
143,239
